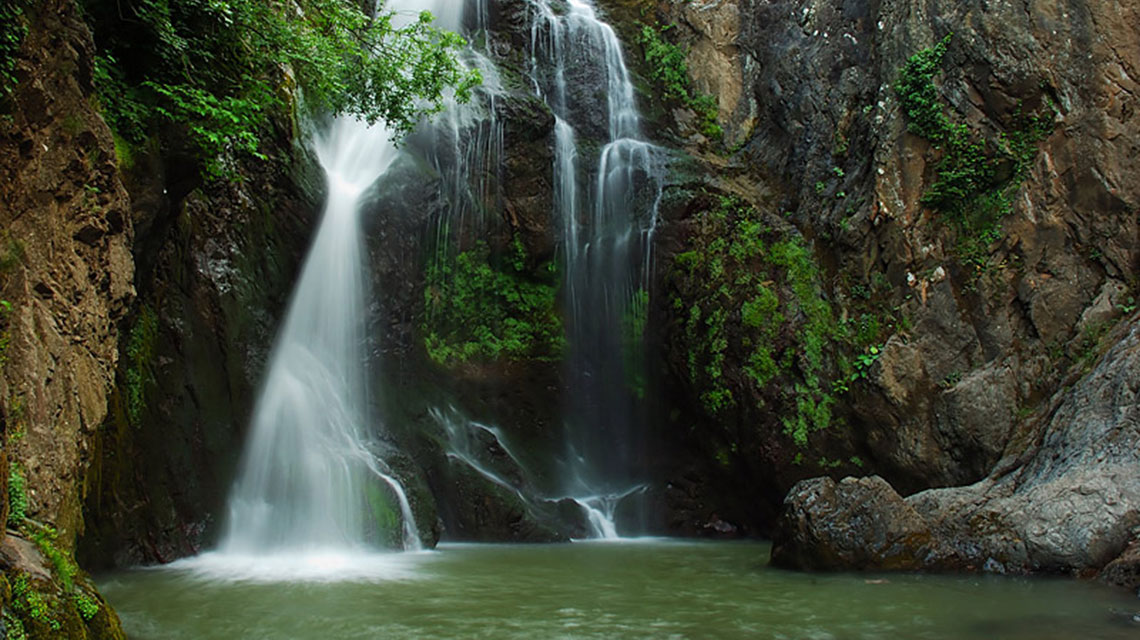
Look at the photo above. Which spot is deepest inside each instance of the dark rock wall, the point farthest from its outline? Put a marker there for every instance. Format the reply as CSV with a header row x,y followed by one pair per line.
x,y
217,267
969,345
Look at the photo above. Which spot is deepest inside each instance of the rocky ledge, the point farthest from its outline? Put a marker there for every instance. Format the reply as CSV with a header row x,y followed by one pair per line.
x,y
1064,499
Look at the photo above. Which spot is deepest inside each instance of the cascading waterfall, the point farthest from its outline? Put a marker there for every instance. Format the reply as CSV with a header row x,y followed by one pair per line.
x,y
309,464
311,471
311,477
606,239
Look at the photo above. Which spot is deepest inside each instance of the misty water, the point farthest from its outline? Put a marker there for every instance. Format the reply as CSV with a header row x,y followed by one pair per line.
x,y
629,589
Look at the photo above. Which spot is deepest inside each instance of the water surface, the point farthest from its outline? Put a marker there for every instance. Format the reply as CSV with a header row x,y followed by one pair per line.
x,y
647,589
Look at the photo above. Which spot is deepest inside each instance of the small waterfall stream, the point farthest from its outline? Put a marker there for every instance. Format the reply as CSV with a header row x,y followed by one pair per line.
x,y
606,238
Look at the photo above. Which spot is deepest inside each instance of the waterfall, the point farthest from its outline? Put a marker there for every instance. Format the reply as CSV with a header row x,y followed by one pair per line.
x,y
309,467
311,482
606,238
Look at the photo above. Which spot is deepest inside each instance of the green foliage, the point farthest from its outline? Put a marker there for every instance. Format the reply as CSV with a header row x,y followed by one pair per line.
x,y
14,627
1127,306
976,179
742,284
669,69
29,604
17,496
141,343
480,309
13,28
87,606
860,368
44,537
218,68
920,99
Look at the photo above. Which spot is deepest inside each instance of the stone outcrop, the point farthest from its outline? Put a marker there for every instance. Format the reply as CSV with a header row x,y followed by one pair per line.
x,y
1065,498
67,267
969,346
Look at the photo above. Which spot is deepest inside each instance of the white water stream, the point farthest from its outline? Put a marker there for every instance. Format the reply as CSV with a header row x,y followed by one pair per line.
x,y
606,237
313,496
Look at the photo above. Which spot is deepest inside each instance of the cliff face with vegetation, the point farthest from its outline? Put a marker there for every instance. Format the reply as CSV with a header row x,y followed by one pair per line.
x,y
963,175
66,283
898,239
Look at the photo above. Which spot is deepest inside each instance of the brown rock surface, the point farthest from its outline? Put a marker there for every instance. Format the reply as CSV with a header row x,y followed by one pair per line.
x,y
67,236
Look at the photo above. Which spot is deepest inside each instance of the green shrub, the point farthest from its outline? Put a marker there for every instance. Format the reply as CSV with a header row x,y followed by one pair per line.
x,y
17,496
216,70
669,69
477,308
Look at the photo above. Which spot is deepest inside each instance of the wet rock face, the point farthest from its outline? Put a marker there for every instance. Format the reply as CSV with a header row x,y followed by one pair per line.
x,y
67,268
1066,500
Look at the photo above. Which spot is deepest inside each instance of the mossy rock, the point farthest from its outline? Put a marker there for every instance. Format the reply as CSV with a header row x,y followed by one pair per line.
x,y
38,605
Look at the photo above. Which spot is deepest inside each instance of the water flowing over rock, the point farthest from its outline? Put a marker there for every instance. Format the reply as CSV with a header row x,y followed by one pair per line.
x,y
309,469
607,237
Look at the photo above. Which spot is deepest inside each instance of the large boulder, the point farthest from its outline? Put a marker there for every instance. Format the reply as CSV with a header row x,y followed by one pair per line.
x,y
1067,500
857,523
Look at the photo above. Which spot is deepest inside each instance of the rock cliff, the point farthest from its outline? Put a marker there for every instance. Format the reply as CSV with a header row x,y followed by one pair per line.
x,y
66,282
1064,499
956,319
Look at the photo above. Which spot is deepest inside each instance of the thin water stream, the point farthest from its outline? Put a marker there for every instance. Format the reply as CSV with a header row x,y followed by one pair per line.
x,y
634,589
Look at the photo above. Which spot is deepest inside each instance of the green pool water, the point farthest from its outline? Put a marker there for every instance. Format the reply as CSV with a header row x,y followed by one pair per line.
x,y
640,589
